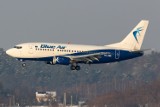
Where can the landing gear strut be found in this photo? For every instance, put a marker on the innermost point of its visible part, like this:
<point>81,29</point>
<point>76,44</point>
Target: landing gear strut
<point>75,67</point>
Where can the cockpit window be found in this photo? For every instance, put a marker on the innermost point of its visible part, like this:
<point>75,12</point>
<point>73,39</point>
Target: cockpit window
<point>18,47</point>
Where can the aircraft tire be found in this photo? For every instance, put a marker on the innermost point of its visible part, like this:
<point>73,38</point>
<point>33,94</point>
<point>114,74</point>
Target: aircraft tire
<point>23,64</point>
<point>73,67</point>
<point>77,68</point>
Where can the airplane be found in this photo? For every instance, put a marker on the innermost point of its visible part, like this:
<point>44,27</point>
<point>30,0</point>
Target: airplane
<point>74,54</point>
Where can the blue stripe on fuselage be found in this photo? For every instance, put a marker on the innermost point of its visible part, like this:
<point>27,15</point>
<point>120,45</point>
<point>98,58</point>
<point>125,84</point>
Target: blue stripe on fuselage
<point>110,56</point>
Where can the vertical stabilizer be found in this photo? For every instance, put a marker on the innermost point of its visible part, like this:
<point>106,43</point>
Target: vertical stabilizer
<point>134,39</point>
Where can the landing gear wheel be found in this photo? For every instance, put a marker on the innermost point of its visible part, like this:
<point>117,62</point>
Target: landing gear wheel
<point>23,64</point>
<point>73,67</point>
<point>77,68</point>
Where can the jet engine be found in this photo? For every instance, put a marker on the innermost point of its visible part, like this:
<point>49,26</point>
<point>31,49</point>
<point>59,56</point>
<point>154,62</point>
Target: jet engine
<point>59,60</point>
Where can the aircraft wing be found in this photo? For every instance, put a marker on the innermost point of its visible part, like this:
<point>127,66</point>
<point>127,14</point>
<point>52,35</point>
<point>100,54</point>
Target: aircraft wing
<point>87,58</point>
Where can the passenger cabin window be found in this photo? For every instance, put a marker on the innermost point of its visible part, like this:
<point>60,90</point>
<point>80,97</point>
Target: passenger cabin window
<point>18,47</point>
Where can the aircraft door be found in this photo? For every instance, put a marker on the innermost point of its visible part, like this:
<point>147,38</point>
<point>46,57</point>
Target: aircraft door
<point>30,49</point>
<point>117,54</point>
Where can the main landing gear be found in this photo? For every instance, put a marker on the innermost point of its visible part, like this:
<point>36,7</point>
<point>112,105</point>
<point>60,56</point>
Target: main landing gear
<point>75,67</point>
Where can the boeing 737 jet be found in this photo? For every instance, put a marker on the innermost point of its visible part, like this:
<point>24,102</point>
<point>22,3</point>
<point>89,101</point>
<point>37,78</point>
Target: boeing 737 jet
<point>73,55</point>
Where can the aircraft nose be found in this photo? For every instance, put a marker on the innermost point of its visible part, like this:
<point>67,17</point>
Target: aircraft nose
<point>9,52</point>
<point>13,52</point>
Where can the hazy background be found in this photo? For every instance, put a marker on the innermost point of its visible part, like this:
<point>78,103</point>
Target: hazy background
<point>96,22</point>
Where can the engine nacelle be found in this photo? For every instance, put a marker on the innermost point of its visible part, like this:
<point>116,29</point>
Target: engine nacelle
<point>60,60</point>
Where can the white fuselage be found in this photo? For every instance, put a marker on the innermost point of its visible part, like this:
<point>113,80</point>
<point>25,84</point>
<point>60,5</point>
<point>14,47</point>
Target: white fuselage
<point>38,50</point>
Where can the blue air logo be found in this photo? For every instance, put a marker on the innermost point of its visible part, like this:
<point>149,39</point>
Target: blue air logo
<point>52,47</point>
<point>60,47</point>
<point>137,33</point>
<point>57,59</point>
<point>47,46</point>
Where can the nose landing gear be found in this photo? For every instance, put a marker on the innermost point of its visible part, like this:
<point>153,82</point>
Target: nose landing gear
<point>23,64</point>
